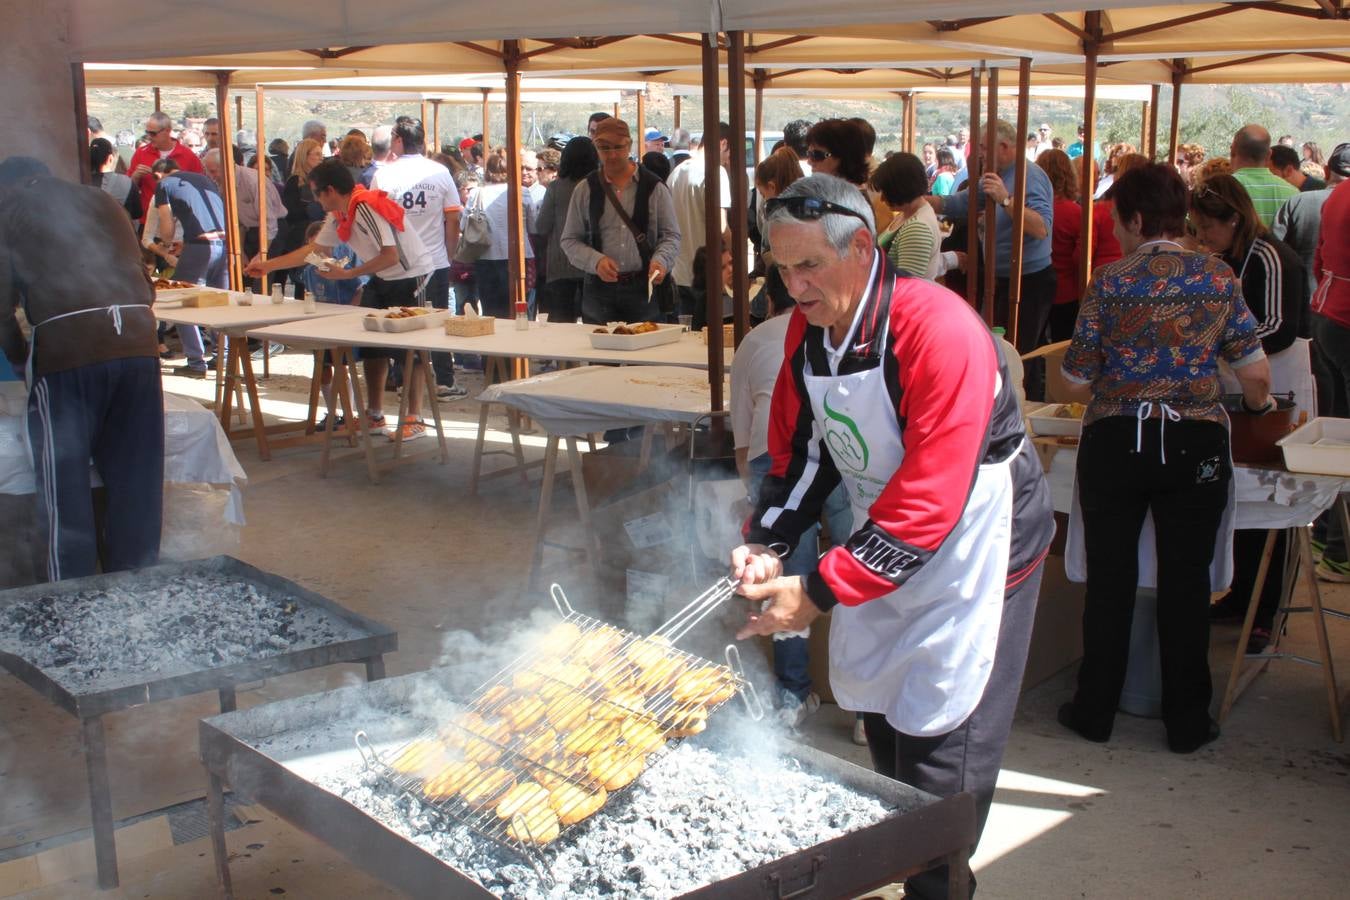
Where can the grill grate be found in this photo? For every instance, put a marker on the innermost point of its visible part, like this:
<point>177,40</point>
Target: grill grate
<point>545,742</point>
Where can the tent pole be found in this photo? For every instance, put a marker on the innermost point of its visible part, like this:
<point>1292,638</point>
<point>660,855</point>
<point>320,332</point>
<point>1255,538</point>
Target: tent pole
<point>678,98</point>
<point>972,181</point>
<point>712,215</point>
<point>1174,127</point>
<point>740,191</point>
<point>425,115</point>
<point>1153,124</point>
<point>435,126</point>
<point>1019,201</point>
<point>641,123</point>
<point>906,121</point>
<point>486,146</point>
<point>1143,128</point>
<point>239,110</point>
<point>616,109</point>
<point>1092,23</point>
<point>990,207</point>
<point>157,101</point>
<point>81,122</point>
<point>227,189</point>
<point>759,114</point>
<point>261,159</point>
<point>515,216</point>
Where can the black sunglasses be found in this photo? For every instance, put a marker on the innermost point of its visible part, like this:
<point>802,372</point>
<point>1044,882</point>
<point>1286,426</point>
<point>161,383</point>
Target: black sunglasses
<point>818,155</point>
<point>810,208</point>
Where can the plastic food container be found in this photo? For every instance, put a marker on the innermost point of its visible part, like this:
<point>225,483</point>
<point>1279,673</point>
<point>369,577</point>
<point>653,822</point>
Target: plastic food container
<point>407,323</point>
<point>1043,421</point>
<point>664,334</point>
<point>1320,447</point>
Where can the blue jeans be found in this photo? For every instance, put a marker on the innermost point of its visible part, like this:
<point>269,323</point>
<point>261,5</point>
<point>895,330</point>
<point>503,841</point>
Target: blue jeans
<point>790,660</point>
<point>201,262</point>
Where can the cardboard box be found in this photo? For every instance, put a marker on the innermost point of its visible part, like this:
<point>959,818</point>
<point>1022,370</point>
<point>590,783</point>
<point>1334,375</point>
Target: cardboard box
<point>1056,388</point>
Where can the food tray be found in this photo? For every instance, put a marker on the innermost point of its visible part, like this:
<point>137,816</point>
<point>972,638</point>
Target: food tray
<point>1321,447</point>
<point>664,334</point>
<point>470,326</point>
<point>398,326</point>
<point>1044,422</point>
<point>201,299</point>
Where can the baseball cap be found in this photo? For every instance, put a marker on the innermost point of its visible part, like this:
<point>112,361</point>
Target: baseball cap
<point>1339,160</point>
<point>466,144</point>
<point>654,134</point>
<point>612,128</point>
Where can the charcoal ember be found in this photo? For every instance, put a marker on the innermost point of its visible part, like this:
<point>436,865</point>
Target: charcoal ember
<point>695,817</point>
<point>163,626</point>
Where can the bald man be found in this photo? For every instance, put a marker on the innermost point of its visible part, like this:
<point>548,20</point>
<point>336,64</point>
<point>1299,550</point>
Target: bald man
<point>94,382</point>
<point>1250,158</point>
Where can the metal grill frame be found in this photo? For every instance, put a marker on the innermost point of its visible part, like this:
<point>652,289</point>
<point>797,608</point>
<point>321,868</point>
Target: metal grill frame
<point>483,819</point>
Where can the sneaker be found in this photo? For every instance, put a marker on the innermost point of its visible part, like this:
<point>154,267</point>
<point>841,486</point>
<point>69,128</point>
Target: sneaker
<point>1331,570</point>
<point>339,422</point>
<point>1259,640</point>
<point>190,371</point>
<point>375,424</point>
<point>411,428</point>
<point>451,392</point>
<point>859,733</point>
<point>794,712</point>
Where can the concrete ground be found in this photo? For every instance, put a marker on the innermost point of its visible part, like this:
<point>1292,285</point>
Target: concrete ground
<point>1261,812</point>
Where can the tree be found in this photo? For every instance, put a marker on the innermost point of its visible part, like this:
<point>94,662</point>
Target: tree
<point>198,109</point>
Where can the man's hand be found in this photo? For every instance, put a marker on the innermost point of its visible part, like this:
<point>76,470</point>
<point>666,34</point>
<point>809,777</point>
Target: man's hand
<point>139,172</point>
<point>935,202</point>
<point>755,564</point>
<point>960,260</point>
<point>726,267</point>
<point>789,608</point>
<point>607,269</point>
<point>337,273</point>
<point>257,267</point>
<point>656,273</point>
<point>992,186</point>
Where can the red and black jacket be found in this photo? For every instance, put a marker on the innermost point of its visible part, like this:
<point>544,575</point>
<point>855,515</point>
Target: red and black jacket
<point>950,392</point>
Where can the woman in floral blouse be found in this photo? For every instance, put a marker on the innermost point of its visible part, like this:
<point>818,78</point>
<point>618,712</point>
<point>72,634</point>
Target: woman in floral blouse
<point>1146,347</point>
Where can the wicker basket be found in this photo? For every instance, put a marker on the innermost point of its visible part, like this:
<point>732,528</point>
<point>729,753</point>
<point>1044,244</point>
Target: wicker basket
<point>470,326</point>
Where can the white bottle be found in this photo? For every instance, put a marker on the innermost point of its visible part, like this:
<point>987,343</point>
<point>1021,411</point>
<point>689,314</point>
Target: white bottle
<point>1013,360</point>
<point>278,296</point>
<point>247,298</point>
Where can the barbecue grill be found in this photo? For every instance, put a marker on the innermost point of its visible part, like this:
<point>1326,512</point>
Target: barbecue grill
<point>335,635</point>
<point>288,756</point>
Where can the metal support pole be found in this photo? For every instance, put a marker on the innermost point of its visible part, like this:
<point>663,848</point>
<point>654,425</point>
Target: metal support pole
<point>1092,23</point>
<point>740,190</point>
<point>972,182</point>
<point>990,207</point>
<point>712,213</point>
<point>1019,202</point>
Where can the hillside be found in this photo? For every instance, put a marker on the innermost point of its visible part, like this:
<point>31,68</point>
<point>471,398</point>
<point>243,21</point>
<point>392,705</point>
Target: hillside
<point>1210,114</point>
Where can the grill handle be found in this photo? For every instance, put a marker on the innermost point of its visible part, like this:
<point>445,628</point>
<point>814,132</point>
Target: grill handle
<point>560,600</point>
<point>775,881</point>
<point>367,750</point>
<point>749,696</point>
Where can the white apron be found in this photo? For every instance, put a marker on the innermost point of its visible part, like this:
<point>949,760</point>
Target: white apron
<point>922,653</point>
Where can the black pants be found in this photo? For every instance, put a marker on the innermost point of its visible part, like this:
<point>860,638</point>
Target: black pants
<point>561,299</point>
<point>1117,486</point>
<point>1033,314</point>
<point>438,292</point>
<point>1247,546</point>
<point>494,287</point>
<point>626,301</point>
<point>968,757</point>
<point>110,413</point>
<point>1062,319</point>
<point>1331,366</point>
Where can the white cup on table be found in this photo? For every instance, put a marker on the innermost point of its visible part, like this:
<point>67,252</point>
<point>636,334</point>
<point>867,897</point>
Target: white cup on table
<point>542,319</point>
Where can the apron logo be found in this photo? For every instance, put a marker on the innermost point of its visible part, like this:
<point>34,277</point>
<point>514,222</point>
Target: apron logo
<point>844,440</point>
<point>1207,471</point>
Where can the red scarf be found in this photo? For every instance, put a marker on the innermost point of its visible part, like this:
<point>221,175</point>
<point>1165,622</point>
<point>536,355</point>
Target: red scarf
<point>379,203</point>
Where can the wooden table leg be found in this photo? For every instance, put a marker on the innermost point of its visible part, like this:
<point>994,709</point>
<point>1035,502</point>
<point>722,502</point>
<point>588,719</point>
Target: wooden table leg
<point>220,385</point>
<point>1230,694</point>
<point>363,433</point>
<point>583,502</point>
<point>315,390</point>
<point>225,380</point>
<point>478,448</point>
<point>251,385</point>
<point>409,373</point>
<point>514,418</point>
<point>100,800</point>
<point>429,379</point>
<point>545,502</point>
<point>337,394</point>
<point>1320,629</point>
<point>215,811</point>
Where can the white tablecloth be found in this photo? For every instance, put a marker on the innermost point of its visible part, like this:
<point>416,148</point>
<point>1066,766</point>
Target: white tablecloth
<point>196,450</point>
<point>596,398</point>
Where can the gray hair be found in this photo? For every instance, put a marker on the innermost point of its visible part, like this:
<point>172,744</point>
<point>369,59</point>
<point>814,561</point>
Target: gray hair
<point>245,139</point>
<point>1007,134</point>
<point>161,120</point>
<point>212,155</point>
<point>380,139</point>
<point>839,229</point>
<point>313,127</point>
<point>679,139</point>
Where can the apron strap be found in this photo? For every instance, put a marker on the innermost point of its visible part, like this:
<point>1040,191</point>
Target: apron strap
<point>1165,414</point>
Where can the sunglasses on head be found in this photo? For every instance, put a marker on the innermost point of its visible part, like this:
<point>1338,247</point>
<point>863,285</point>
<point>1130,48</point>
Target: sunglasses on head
<point>818,155</point>
<point>810,208</point>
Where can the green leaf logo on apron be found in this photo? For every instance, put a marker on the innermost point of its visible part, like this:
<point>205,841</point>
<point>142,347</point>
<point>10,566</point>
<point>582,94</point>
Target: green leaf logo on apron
<point>844,439</point>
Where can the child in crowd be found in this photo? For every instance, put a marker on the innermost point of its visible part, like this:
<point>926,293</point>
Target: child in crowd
<point>346,291</point>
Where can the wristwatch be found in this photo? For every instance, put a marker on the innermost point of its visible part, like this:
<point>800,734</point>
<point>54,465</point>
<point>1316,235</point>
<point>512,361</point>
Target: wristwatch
<point>1005,202</point>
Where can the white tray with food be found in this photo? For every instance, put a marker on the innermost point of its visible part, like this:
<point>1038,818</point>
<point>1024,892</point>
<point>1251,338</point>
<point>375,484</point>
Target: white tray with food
<point>636,336</point>
<point>1319,447</point>
<point>404,318</point>
<point>1057,419</point>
